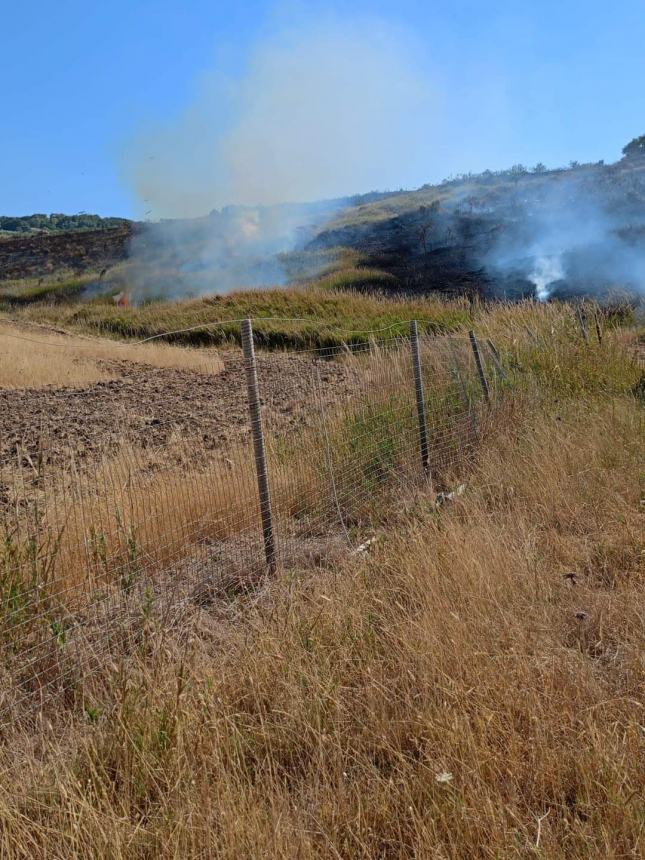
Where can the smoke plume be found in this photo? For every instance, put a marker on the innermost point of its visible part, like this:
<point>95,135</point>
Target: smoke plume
<point>580,231</point>
<point>321,111</point>
<point>326,108</point>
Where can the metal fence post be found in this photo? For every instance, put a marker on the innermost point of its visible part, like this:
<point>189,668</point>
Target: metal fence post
<point>480,365</point>
<point>581,322</point>
<point>496,358</point>
<point>459,377</point>
<point>253,391</point>
<point>421,402</point>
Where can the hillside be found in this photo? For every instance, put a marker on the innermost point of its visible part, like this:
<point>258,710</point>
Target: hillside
<point>515,233</point>
<point>56,254</point>
<point>484,233</point>
<point>57,223</point>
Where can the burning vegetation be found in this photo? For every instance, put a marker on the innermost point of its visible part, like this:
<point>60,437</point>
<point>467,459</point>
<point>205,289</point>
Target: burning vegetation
<point>561,233</point>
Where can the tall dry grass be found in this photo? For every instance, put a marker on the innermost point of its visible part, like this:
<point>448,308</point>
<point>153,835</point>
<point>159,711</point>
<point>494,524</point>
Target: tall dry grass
<point>470,689</point>
<point>471,686</point>
<point>70,528</point>
<point>33,356</point>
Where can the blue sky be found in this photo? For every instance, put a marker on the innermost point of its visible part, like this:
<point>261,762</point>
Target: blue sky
<point>519,82</point>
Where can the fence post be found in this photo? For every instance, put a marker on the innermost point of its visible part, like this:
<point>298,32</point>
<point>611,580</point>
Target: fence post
<point>531,333</point>
<point>421,402</point>
<point>598,329</point>
<point>253,392</point>
<point>496,359</point>
<point>480,365</point>
<point>458,374</point>
<point>581,322</point>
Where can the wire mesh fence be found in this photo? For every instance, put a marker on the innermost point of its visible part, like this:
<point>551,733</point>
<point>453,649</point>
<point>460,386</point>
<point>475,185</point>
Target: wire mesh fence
<point>291,466</point>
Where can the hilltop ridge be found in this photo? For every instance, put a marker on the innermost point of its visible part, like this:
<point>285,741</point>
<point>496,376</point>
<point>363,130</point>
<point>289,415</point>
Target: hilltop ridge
<point>512,233</point>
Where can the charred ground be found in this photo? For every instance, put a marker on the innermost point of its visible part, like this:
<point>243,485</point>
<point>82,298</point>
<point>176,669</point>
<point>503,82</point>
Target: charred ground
<point>474,235</point>
<point>481,234</point>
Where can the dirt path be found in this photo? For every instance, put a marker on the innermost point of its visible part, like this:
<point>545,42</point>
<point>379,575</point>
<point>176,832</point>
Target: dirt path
<point>147,405</point>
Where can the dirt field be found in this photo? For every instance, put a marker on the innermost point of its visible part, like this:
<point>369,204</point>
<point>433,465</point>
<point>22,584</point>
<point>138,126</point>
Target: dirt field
<point>147,405</point>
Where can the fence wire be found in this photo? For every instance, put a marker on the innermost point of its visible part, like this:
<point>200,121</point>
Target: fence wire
<point>100,535</point>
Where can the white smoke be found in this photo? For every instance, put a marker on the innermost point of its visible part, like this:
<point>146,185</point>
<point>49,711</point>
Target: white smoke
<point>327,108</point>
<point>323,110</point>
<point>546,272</point>
<point>579,231</point>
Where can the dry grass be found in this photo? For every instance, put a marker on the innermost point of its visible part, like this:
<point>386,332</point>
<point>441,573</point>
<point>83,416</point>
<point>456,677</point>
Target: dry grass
<point>34,356</point>
<point>456,695</point>
<point>79,525</point>
<point>471,687</point>
<point>140,512</point>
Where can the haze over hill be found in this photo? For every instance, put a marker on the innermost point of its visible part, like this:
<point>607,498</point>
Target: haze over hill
<point>320,106</point>
<point>521,232</point>
<point>579,230</point>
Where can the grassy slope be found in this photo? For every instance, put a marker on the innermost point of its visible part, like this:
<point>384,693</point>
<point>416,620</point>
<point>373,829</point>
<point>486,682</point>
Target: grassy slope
<point>328,312</point>
<point>493,186</point>
<point>328,269</point>
<point>325,314</point>
<point>454,694</point>
<point>16,293</point>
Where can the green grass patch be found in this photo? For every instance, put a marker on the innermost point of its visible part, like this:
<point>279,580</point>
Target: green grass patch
<point>301,266</point>
<point>295,318</point>
<point>360,279</point>
<point>32,291</point>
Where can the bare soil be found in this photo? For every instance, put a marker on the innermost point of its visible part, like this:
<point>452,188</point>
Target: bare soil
<point>148,405</point>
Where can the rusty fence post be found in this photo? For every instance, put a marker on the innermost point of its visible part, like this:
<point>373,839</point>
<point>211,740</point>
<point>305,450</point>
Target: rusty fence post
<point>480,366</point>
<point>421,401</point>
<point>253,392</point>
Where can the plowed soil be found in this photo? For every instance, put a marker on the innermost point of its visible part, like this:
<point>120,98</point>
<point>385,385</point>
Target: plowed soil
<point>147,405</point>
